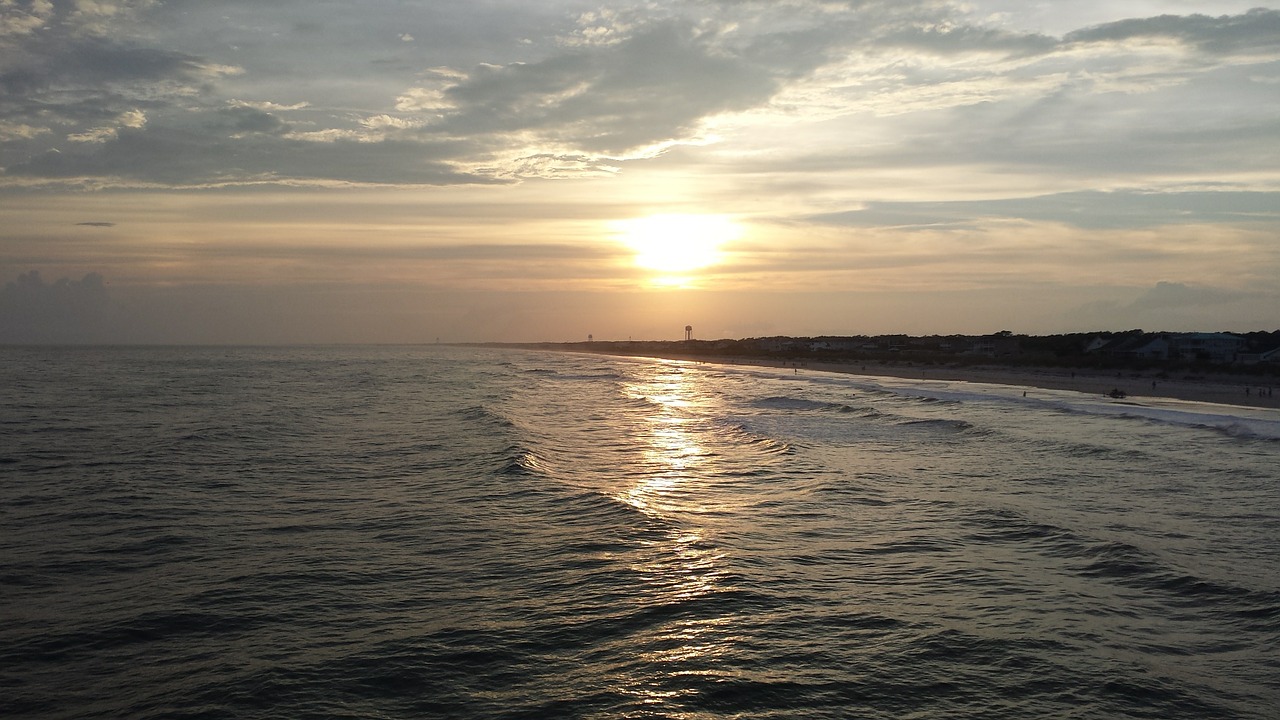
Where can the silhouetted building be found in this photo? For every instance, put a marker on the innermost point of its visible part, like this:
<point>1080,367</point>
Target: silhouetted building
<point>1260,358</point>
<point>1218,348</point>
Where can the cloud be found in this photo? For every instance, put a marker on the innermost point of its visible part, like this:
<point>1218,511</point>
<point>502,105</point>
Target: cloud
<point>651,88</point>
<point>554,165</point>
<point>129,119</point>
<point>387,122</point>
<point>68,85</point>
<point>628,82</point>
<point>243,149</point>
<point>20,131</point>
<point>1177,306</point>
<point>949,40</point>
<point>627,86</point>
<point>513,90</point>
<point>90,63</point>
<point>268,106</point>
<point>96,135</point>
<point>1092,210</point>
<point>1257,29</point>
<point>1170,295</point>
<point>240,120</point>
<point>66,311</point>
<point>97,224</point>
<point>17,20</point>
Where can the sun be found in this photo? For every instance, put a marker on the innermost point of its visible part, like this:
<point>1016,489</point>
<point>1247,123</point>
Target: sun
<point>675,244</point>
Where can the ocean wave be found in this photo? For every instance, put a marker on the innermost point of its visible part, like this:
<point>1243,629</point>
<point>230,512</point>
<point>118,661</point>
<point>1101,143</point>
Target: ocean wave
<point>1238,422</point>
<point>1234,421</point>
<point>521,462</point>
<point>739,434</point>
<point>792,403</point>
<point>459,538</point>
<point>935,423</point>
<point>1128,565</point>
<point>485,415</point>
<point>589,376</point>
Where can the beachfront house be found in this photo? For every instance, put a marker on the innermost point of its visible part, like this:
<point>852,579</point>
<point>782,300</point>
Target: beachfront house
<point>834,344</point>
<point>1137,347</point>
<point>777,344</point>
<point>1002,344</point>
<point>1097,343</point>
<point>1270,357</point>
<point>1217,348</point>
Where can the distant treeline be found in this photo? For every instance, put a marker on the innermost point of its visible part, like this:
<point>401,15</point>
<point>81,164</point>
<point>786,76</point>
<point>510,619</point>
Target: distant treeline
<point>1251,352</point>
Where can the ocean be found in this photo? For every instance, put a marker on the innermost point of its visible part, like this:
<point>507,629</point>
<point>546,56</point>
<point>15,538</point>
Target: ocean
<point>440,532</point>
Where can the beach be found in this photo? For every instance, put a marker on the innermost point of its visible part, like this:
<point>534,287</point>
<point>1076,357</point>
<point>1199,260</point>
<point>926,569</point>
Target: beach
<point>1243,390</point>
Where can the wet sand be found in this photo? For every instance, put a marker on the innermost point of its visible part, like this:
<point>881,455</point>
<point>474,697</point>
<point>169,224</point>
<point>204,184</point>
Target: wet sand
<point>1227,390</point>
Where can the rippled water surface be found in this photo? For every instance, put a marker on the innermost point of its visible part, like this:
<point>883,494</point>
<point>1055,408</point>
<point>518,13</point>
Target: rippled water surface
<point>441,532</point>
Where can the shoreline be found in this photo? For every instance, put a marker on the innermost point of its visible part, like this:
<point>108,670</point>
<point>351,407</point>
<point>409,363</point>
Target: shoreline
<point>1241,391</point>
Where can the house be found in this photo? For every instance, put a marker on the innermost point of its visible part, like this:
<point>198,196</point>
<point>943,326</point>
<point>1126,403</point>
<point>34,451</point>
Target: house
<point>838,344</point>
<point>1259,358</point>
<point>1096,344</point>
<point>998,345</point>
<point>778,344</point>
<point>1137,347</point>
<point>1218,348</point>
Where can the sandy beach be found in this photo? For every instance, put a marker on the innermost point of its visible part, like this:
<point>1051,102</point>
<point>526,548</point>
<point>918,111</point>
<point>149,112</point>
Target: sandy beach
<point>1227,390</point>
<point>1242,390</point>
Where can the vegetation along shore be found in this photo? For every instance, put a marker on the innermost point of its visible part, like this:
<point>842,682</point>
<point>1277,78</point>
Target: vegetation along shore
<point>1229,368</point>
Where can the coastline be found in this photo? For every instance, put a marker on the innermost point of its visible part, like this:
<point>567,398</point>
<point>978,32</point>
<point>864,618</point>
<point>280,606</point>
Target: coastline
<point>1243,391</point>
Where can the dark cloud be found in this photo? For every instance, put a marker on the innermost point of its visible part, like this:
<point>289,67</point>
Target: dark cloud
<point>239,120</point>
<point>157,154</point>
<point>97,224</point>
<point>67,87</point>
<point>1170,295</point>
<point>78,86</point>
<point>653,87</point>
<point>657,83</point>
<point>91,63</point>
<point>1089,210</point>
<point>1257,29</point>
<point>66,311</point>
<point>515,253</point>
<point>146,92</point>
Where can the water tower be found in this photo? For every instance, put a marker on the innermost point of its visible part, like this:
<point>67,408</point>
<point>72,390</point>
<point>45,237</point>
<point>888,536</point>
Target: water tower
<point>688,332</point>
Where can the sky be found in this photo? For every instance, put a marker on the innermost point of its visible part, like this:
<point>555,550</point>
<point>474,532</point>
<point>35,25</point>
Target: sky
<point>236,171</point>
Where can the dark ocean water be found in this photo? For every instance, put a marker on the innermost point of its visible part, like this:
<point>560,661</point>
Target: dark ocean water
<point>396,532</point>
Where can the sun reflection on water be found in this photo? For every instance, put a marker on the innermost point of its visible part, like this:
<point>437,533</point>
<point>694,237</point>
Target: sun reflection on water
<point>673,458</point>
<point>685,572</point>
